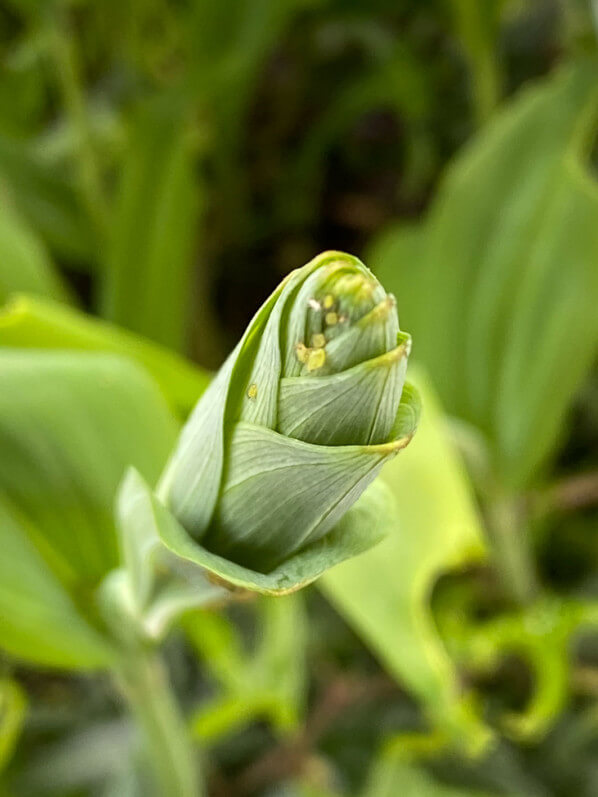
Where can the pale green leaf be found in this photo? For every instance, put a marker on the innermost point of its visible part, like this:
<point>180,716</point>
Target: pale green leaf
<point>280,493</point>
<point>32,322</point>
<point>360,528</point>
<point>358,404</point>
<point>385,593</point>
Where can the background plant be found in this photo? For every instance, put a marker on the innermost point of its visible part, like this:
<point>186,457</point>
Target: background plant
<point>161,167</point>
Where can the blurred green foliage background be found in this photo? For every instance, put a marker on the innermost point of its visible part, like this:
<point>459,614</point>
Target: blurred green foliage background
<point>162,166</point>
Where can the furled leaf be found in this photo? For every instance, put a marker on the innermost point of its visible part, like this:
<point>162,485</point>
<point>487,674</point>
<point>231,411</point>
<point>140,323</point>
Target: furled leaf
<point>542,634</point>
<point>385,593</point>
<point>503,296</point>
<point>149,261</point>
<point>31,322</point>
<point>358,530</point>
<point>24,263</point>
<point>325,481</point>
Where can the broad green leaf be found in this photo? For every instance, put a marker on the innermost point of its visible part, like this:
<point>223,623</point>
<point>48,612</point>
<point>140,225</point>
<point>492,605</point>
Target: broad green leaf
<point>385,592</point>
<point>503,300</point>
<point>70,424</point>
<point>31,322</point>
<point>24,263</point>
<point>38,619</point>
<point>149,260</point>
<point>12,713</point>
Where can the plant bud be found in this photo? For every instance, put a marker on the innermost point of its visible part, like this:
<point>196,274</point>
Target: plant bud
<point>298,421</point>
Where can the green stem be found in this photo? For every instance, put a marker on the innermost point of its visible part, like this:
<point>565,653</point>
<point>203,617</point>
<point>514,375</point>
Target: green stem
<point>511,549</point>
<point>144,682</point>
<point>478,26</point>
<point>486,85</point>
<point>71,87</point>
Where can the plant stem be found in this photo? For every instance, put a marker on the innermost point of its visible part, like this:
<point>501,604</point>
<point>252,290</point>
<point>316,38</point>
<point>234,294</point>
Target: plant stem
<point>478,28</point>
<point>144,682</point>
<point>569,494</point>
<point>511,549</point>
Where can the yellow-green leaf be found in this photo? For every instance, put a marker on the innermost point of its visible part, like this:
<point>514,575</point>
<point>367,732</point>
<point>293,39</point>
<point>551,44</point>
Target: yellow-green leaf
<point>385,592</point>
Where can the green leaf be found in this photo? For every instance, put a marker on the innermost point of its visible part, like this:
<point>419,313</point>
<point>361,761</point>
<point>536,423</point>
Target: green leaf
<point>256,521</point>
<point>48,202</point>
<point>38,619</point>
<point>360,528</point>
<point>503,299</point>
<point>364,396</point>
<point>24,262</point>
<point>385,593</point>
<point>30,322</point>
<point>13,705</point>
<point>70,423</point>
<point>149,261</point>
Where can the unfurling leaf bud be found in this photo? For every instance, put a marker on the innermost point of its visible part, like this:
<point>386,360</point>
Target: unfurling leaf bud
<point>297,423</point>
